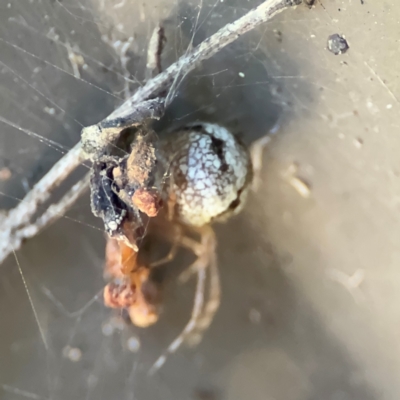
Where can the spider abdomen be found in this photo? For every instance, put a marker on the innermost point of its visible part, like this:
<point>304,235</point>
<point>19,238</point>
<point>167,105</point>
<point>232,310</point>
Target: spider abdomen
<point>209,173</point>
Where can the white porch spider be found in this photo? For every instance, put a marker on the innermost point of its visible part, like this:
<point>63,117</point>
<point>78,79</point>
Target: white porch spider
<point>198,175</point>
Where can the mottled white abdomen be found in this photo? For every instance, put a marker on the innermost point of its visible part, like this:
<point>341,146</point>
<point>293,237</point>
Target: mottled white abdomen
<point>209,172</point>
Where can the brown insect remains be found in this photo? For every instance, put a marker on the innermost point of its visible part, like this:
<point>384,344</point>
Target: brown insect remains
<point>130,287</point>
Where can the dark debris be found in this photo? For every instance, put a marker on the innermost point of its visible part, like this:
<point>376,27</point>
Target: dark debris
<point>337,44</point>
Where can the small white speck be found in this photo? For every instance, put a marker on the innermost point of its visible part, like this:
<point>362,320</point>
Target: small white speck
<point>50,110</point>
<point>112,225</point>
<point>133,344</point>
<point>301,187</point>
<point>358,143</point>
<point>72,353</point>
<point>312,36</point>
<point>372,107</point>
<point>389,106</point>
<point>241,74</point>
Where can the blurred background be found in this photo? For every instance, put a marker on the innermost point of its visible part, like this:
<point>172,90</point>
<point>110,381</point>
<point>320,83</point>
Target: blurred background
<point>310,269</point>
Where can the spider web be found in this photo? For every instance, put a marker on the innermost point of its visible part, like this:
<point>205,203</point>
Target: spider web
<point>65,64</point>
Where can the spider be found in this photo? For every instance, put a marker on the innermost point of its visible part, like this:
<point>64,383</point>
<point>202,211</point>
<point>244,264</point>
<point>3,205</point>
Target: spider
<point>198,175</point>
<point>179,186</point>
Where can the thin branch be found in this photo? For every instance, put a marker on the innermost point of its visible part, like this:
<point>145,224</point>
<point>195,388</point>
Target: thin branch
<point>52,214</point>
<point>18,217</point>
<point>16,225</point>
<point>57,210</point>
<point>21,214</point>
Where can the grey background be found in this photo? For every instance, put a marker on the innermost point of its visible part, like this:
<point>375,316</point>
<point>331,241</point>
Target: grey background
<point>292,324</point>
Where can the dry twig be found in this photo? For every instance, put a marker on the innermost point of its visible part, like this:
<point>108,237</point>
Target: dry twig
<point>17,225</point>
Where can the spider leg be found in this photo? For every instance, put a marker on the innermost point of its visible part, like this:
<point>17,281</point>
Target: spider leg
<point>190,326</point>
<point>169,257</point>
<point>204,249</point>
<point>202,314</point>
<point>175,237</point>
<point>211,306</point>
